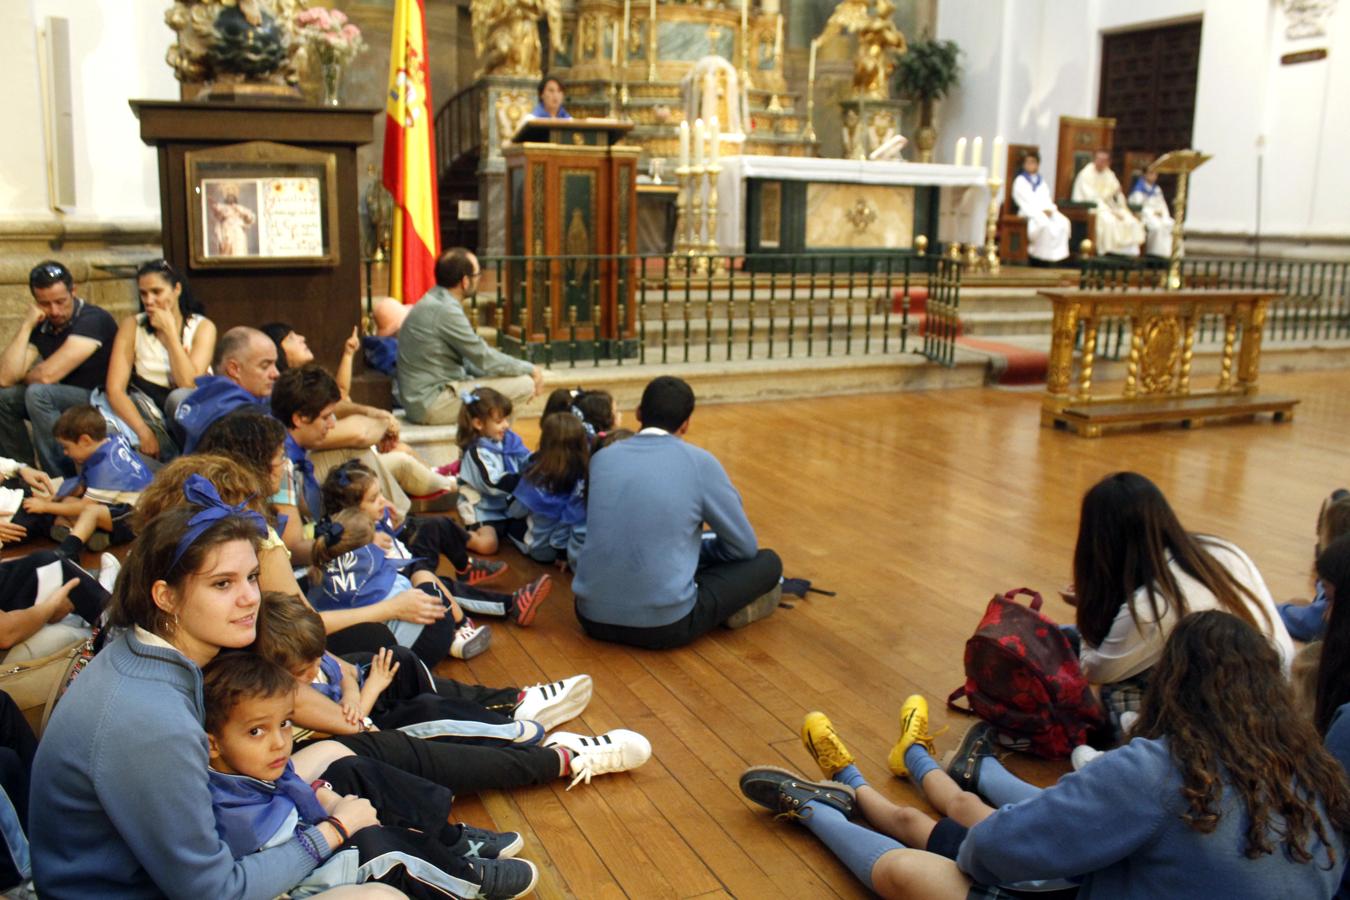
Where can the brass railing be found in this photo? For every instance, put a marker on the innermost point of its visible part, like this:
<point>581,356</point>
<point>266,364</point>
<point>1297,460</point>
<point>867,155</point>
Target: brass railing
<point>569,311</point>
<point>1312,296</point>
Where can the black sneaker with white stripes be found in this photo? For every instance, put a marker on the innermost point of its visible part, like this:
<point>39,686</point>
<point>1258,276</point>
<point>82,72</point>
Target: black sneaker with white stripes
<point>556,702</point>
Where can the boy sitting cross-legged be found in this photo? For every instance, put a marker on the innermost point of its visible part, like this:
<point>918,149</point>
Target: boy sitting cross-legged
<point>95,508</point>
<point>259,800</point>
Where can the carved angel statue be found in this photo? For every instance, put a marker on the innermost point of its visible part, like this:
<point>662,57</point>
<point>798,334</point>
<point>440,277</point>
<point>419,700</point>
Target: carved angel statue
<point>235,41</point>
<point>879,41</point>
<point>506,34</point>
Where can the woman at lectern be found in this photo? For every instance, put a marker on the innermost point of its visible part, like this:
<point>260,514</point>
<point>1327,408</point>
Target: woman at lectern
<point>550,105</point>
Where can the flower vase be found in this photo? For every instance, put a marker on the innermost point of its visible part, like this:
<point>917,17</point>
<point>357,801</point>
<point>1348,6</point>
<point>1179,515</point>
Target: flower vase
<point>332,84</point>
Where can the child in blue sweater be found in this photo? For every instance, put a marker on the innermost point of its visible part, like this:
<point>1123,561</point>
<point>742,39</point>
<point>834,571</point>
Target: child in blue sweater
<point>491,459</point>
<point>551,493</point>
<point>259,802</point>
<point>1196,804</point>
<point>1307,622</point>
<point>96,507</point>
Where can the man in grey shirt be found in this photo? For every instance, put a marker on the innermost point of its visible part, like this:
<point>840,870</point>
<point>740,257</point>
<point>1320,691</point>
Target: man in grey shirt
<point>440,353</point>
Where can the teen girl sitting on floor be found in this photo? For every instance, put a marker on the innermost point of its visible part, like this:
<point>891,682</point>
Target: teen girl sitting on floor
<point>551,494</point>
<point>1137,572</point>
<point>1220,792</point>
<point>420,542</point>
<point>491,459</point>
<point>596,409</point>
<point>122,768</point>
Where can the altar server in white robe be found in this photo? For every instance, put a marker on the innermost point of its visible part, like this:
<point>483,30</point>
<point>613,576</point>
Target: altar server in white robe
<point>1047,228</point>
<point>1158,221</point>
<point>1118,231</point>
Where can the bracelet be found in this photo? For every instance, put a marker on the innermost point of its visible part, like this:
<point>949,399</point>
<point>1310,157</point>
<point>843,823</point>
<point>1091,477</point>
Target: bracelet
<point>319,785</point>
<point>367,724</point>
<point>310,847</point>
<point>342,832</point>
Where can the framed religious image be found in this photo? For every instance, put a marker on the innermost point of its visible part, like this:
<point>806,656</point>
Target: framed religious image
<point>261,204</point>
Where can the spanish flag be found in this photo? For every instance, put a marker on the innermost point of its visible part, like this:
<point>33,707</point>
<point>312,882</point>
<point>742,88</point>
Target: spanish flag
<point>410,157</point>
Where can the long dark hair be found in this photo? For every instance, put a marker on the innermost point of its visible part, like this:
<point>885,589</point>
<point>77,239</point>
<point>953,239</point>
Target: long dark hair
<point>278,332</point>
<point>1127,536</point>
<point>564,453</point>
<point>1219,696</point>
<point>188,304</point>
<point>250,436</point>
<point>488,402</point>
<point>1333,672</point>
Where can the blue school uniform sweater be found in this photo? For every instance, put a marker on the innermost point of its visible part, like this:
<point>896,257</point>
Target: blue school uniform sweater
<point>493,469</point>
<point>1116,825</point>
<point>121,800</point>
<point>555,523</point>
<point>251,813</point>
<point>215,397</point>
<point>113,470</point>
<point>649,499</point>
<point>362,577</point>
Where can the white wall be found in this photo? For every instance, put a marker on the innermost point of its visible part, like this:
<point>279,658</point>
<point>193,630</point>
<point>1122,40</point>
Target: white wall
<point>117,54</point>
<point>1027,62</point>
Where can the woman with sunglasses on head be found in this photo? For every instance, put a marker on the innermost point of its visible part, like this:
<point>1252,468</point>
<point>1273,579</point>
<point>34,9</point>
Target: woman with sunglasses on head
<point>157,357</point>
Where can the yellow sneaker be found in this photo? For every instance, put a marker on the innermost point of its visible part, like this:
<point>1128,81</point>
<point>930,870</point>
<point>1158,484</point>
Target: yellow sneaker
<point>913,730</point>
<point>824,745</point>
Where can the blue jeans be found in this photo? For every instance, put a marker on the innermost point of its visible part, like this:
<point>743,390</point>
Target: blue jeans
<point>41,404</point>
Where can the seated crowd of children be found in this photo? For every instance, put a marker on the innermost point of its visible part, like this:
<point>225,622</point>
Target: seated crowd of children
<point>259,715</point>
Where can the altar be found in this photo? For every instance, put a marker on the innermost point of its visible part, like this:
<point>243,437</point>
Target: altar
<point>808,205</point>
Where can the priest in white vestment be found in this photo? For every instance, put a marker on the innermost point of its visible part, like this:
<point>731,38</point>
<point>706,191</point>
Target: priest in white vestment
<point>1158,222</point>
<point>1047,228</point>
<point>1118,231</point>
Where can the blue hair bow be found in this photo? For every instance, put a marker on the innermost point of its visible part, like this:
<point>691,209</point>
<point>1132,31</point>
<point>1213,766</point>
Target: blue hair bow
<point>200,492</point>
<point>330,531</point>
<point>343,477</point>
<point>467,397</point>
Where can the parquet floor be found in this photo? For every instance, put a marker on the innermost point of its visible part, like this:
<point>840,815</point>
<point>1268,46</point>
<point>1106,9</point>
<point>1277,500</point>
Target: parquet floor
<point>915,508</point>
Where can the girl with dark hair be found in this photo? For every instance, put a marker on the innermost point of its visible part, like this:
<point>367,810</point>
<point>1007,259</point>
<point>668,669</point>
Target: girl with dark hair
<point>157,357</point>
<point>596,409</point>
<point>1331,715</point>
<point>1137,572</point>
<point>126,806</point>
<point>551,493</point>
<point>1220,792</point>
<point>293,352</point>
<point>491,459</point>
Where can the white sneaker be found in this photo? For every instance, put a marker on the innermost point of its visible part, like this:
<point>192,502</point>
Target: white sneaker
<point>470,640</point>
<point>109,566</point>
<point>556,702</point>
<point>1127,720</point>
<point>619,750</point>
<point>1082,755</point>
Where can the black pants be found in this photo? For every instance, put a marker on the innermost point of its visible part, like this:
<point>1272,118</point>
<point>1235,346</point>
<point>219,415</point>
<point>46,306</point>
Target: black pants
<point>367,637</point>
<point>432,538</point>
<point>401,799</point>
<point>463,768</point>
<point>17,746</point>
<point>724,589</point>
<point>415,862</point>
<point>19,585</point>
<point>415,696</point>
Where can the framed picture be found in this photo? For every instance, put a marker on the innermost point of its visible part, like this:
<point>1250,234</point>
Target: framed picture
<point>261,204</point>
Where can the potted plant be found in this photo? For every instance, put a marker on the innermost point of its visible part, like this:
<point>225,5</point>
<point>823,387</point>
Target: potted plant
<point>927,73</point>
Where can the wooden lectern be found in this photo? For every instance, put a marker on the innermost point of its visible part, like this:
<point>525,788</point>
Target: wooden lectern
<point>571,209</point>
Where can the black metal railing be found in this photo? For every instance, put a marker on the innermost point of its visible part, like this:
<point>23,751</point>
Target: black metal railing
<point>1313,301</point>
<point>457,127</point>
<point>564,311</point>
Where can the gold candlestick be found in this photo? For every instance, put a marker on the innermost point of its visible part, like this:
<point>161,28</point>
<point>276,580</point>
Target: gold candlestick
<point>810,133</point>
<point>681,215</point>
<point>695,244</point>
<point>991,263</point>
<point>711,245</point>
<point>1180,163</point>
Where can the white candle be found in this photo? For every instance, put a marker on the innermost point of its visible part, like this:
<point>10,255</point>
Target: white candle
<point>997,158</point>
<point>700,136</point>
<point>714,138</point>
<point>614,50</point>
<point>684,145</point>
<point>627,13</point>
<point>960,158</point>
<point>811,69</point>
<point>976,152</point>
<point>778,43</point>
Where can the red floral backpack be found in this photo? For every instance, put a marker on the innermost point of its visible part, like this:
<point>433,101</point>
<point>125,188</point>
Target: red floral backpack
<point>1023,678</point>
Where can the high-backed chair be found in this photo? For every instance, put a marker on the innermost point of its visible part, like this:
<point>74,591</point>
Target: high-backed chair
<point>1012,228</point>
<point>1079,139</point>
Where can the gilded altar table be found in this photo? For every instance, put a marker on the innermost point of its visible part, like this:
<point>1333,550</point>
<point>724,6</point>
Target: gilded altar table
<point>1163,327</point>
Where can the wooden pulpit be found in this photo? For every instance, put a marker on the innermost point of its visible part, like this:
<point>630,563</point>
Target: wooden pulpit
<point>571,216</point>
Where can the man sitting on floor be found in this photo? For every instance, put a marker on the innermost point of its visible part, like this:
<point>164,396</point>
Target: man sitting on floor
<point>648,574</point>
<point>59,354</point>
<point>440,354</point>
<point>246,368</point>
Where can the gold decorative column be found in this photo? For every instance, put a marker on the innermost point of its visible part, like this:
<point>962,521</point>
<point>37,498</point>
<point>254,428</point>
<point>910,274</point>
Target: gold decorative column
<point>1180,163</point>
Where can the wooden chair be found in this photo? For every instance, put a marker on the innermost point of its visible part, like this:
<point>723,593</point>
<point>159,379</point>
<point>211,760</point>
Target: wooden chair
<point>1079,139</point>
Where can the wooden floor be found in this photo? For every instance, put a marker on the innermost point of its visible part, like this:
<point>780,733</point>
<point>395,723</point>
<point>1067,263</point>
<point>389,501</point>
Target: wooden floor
<point>916,508</point>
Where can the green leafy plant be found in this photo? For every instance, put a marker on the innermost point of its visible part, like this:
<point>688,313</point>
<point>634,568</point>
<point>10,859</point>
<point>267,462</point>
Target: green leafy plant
<point>929,70</point>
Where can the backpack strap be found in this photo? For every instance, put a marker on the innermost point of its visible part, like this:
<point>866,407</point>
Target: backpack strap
<point>957,695</point>
<point>1035,604</point>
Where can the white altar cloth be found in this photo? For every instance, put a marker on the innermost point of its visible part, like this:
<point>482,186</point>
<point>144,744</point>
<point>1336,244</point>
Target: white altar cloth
<point>963,202</point>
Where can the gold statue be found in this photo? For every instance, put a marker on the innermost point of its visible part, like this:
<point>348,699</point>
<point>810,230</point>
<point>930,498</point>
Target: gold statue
<point>506,34</point>
<point>879,41</point>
